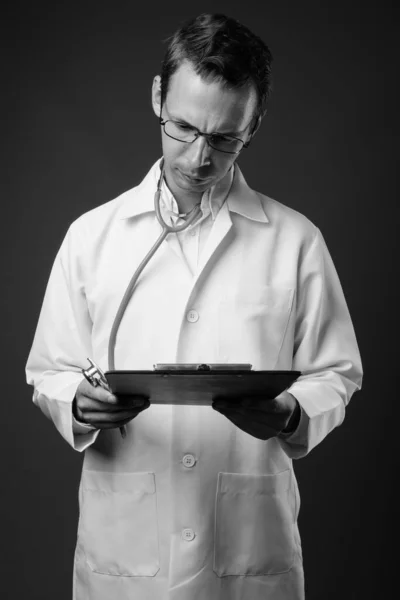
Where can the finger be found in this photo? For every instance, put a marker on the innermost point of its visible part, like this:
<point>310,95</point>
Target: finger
<point>258,428</point>
<point>238,409</point>
<point>95,393</point>
<point>265,404</point>
<point>262,404</point>
<point>255,410</point>
<point>78,414</point>
<point>116,425</point>
<point>125,401</point>
<point>86,404</point>
<point>122,404</point>
<point>98,419</point>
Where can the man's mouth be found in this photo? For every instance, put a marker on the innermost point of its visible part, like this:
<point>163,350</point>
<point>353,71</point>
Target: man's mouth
<point>194,178</point>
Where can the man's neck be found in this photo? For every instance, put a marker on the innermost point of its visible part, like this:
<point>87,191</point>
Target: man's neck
<point>186,201</point>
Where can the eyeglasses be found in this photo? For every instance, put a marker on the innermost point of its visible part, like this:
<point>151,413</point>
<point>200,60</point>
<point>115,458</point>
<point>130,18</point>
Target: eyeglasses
<point>188,134</point>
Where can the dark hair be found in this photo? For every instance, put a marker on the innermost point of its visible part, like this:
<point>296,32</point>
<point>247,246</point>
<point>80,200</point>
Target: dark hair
<point>223,49</point>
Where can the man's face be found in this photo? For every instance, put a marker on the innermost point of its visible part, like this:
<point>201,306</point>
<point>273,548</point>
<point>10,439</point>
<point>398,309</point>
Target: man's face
<point>211,108</point>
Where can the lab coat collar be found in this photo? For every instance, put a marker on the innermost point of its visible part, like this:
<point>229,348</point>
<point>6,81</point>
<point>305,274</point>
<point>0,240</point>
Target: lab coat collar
<point>245,201</point>
<point>241,200</point>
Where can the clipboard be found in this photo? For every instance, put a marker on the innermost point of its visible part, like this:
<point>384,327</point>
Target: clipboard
<point>200,384</point>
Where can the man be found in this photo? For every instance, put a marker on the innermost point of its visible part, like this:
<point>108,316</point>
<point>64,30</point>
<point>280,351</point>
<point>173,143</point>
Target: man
<point>195,503</point>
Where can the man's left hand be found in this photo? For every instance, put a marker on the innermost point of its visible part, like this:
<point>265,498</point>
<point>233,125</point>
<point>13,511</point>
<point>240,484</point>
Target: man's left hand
<point>259,417</point>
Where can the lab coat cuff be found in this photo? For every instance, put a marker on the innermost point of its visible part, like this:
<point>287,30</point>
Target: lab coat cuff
<point>81,428</point>
<point>55,395</point>
<point>295,444</point>
<point>79,435</point>
<point>83,435</point>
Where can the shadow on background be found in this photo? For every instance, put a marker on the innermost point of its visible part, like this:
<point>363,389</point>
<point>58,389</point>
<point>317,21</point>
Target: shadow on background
<point>80,130</point>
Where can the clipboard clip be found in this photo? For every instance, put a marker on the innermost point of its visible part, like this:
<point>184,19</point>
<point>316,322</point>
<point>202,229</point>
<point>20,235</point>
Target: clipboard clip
<point>202,367</point>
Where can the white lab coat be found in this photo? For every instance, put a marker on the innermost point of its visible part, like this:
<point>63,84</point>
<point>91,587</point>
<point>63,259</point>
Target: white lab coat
<point>189,507</point>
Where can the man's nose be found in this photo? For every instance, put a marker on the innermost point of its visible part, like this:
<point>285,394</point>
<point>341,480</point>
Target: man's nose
<point>199,153</point>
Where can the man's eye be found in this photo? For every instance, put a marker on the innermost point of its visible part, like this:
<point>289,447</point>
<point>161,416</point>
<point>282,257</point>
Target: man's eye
<point>183,127</point>
<point>222,139</point>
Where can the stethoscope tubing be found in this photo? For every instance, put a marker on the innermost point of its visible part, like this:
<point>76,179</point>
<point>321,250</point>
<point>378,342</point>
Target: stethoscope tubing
<point>166,230</point>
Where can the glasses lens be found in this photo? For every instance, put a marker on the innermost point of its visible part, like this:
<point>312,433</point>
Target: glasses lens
<point>224,143</point>
<point>180,131</point>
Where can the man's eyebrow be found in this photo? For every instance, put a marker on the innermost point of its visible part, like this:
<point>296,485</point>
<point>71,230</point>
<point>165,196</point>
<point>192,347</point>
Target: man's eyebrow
<point>230,133</point>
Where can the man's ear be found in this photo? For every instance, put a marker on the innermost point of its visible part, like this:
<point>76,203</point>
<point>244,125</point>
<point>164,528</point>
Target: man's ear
<point>253,130</point>
<point>256,126</point>
<point>156,95</point>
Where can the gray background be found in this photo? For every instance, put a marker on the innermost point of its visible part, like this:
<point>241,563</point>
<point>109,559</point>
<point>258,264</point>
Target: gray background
<point>78,129</point>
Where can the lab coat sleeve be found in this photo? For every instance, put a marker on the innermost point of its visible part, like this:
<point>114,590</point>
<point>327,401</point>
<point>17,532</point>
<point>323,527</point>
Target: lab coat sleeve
<point>325,351</point>
<point>62,344</point>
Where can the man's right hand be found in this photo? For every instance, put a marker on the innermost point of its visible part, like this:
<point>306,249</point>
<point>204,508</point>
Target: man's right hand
<point>101,409</point>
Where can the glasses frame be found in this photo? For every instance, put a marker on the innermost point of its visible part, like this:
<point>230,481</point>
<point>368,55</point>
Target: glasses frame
<point>199,133</point>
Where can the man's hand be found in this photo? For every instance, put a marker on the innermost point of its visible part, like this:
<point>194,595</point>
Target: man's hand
<point>103,410</point>
<point>262,418</point>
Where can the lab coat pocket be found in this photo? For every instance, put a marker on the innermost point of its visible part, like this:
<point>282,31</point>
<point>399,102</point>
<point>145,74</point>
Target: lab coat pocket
<point>118,530</point>
<point>252,325</point>
<point>254,524</point>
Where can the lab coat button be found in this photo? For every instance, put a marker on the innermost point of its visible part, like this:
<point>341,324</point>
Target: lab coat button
<point>192,316</point>
<point>188,535</point>
<point>193,232</point>
<point>189,460</point>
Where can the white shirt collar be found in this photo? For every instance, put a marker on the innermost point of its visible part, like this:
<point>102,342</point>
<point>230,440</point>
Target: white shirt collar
<point>211,201</point>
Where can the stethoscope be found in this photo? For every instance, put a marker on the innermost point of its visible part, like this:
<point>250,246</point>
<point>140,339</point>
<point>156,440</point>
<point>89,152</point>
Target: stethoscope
<point>94,374</point>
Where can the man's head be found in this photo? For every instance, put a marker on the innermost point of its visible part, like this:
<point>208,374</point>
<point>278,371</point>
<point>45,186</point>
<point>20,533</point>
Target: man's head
<point>216,78</point>
<point>220,49</point>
